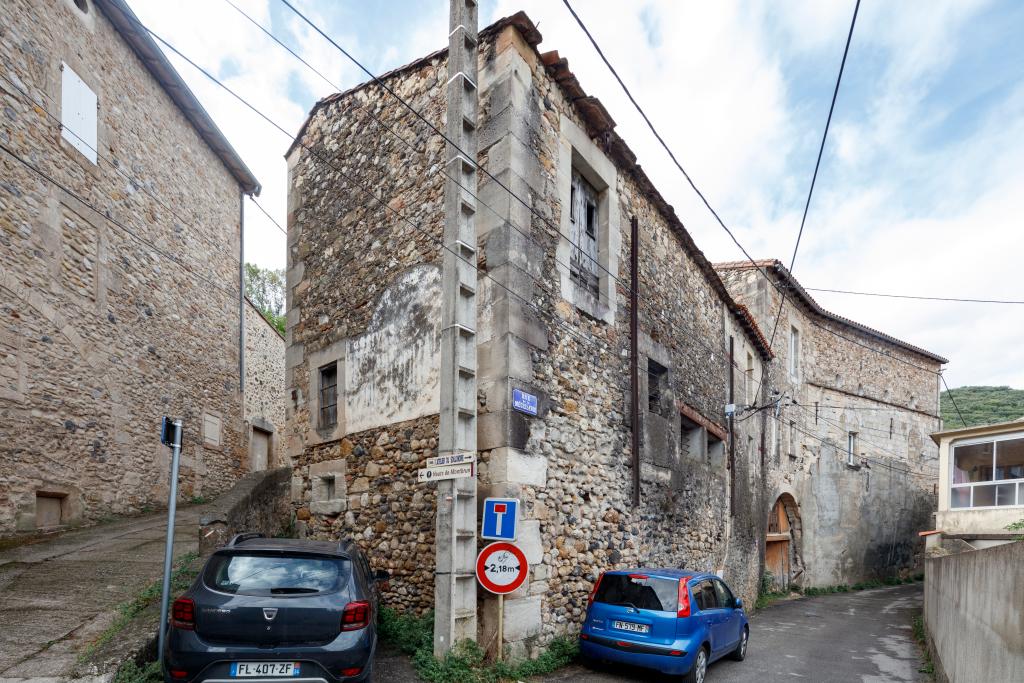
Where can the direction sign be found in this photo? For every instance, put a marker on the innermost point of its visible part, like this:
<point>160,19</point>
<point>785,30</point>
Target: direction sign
<point>451,459</point>
<point>446,472</point>
<point>501,568</point>
<point>500,519</point>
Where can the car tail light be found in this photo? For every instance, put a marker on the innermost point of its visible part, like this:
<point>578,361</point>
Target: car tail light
<point>355,616</point>
<point>684,599</point>
<point>593,592</point>
<point>183,614</point>
<point>178,673</point>
<point>352,671</point>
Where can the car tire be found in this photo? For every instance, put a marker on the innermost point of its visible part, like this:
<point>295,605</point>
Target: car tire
<point>740,653</point>
<point>700,668</point>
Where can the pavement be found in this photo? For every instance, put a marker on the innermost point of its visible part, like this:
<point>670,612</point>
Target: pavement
<point>58,595</point>
<point>864,636</point>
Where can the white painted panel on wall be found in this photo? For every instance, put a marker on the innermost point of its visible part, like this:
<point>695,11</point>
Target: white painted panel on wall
<point>78,113</point>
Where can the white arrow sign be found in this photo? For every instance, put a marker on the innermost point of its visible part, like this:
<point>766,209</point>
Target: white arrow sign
<point>447,472</point>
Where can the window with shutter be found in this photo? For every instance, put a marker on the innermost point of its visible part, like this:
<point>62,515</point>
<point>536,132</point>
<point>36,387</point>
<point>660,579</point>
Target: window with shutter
<point>583,220</point>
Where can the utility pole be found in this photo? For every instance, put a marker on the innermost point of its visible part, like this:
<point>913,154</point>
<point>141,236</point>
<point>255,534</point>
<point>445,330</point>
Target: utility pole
<point>170,435</point>
<point>455,535</point>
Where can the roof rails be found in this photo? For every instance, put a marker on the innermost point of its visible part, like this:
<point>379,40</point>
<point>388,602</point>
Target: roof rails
<point>242,538</point>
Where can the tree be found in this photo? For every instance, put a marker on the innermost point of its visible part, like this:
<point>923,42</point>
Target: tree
<point>265,289</point>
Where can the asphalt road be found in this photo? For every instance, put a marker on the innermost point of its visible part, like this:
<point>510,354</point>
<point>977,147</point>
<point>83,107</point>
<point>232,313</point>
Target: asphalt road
<point>866,636</point>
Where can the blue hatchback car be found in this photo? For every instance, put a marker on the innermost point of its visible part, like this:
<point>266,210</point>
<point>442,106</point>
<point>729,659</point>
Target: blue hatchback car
<point>671,620</point>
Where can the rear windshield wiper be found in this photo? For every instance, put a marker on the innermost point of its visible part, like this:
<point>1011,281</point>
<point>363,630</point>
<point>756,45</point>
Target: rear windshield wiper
<point>293,589</point>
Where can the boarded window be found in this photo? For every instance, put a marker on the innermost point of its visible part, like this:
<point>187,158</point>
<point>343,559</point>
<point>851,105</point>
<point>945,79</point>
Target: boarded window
<point>78,113</point>
<point>584,225</point>
<point>329,396</point>
<point>211,430</point>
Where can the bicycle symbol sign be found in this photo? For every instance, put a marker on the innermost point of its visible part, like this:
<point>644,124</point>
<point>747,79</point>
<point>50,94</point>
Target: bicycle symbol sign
<point>501,567</point>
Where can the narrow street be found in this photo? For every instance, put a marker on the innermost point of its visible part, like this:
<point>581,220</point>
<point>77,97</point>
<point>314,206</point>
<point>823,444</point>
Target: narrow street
<point>57,595</point>
<point>865,636</point>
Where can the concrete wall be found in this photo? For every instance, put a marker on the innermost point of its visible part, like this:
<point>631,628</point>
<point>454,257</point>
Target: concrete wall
<point>974,614</point>
<point>100,333</point>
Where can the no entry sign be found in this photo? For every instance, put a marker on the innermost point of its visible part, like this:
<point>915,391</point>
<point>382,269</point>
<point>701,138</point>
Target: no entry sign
<point>501,568</point>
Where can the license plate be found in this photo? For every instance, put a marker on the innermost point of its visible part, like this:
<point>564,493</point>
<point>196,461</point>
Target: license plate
<point>257,669</point>
<point>630,626</point>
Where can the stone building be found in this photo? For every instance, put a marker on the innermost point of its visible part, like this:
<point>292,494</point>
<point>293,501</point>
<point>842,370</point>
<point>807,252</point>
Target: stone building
<point>264,390</point>
<point>851,467</point>
<point>120,238</point>
<point>364,279</point>
<point>558,198</point>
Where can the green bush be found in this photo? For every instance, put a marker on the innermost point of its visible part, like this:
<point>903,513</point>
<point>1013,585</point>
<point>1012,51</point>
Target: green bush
<point>129,672</point>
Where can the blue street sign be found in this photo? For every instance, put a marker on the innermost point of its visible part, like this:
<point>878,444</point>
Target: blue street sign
<point>524,402</point>
<point>501,517</point>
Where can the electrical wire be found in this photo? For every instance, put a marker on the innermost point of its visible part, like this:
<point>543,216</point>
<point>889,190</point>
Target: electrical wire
<point>919,298</point>
<point>949,392</point>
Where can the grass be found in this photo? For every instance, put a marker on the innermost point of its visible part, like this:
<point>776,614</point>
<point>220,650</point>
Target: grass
<point>767,597</point>
<point>130,672</point>
<point>182,574</point>
<point>921,636</point>
<point>198,500</point>
<point>466,662</point>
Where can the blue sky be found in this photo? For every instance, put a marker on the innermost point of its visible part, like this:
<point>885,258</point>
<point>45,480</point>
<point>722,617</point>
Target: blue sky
<point>921,189</point>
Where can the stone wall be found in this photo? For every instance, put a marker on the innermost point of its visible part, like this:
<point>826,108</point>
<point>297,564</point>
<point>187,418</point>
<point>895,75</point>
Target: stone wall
<point>258,502</point>
<point>570,465</point>
<point>264,381</point>
<point>857,522</point>
<point>106,325</point>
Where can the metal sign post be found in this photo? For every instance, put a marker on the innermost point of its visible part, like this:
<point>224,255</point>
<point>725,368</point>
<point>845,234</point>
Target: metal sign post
<point>171,436</point>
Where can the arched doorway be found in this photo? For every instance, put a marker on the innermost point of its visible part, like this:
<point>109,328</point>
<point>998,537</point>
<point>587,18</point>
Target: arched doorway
<point>782,543</point>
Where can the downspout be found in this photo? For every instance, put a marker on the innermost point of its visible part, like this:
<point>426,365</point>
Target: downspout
<point>634,355</point>
<point>241,292</point>
<point>732,425</point>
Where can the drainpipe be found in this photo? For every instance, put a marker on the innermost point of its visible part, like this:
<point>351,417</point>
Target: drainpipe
<point>634,355</point>
<point>732,425</point>
<point>241,291</point>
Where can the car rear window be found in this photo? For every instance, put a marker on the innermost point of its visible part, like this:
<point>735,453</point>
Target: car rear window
<point>276,574</point>
<point>640,591</point>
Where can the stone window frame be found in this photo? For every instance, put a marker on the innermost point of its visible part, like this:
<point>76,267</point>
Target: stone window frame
<point>577,151</point>
<point>328,487</point>
<point>794,368</point>
<point>333,353</point>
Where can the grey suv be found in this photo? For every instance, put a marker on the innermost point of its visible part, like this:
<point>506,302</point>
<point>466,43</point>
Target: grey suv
<point>276,610</point>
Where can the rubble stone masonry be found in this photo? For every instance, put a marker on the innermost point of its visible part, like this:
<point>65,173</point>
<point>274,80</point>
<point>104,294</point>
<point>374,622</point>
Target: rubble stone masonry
<point>104,329</point>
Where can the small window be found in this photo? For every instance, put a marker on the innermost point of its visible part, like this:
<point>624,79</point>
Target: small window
<point>78,113</point>
<point>851,448</point>
<point>690,437</point>
<point>792,439</point>
<point>211,430</point>
<point>657,381</point>
<point>329,396</point>
<point>794,353</point>
<point>715,448</point>
<point>725,597</point>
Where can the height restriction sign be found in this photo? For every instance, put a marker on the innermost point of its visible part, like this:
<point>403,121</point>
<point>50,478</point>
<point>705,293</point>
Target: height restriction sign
<point>501,568</point>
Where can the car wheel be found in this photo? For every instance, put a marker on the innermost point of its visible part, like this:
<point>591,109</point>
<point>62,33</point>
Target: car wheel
<point>700,667</point>
<point>740,653</point>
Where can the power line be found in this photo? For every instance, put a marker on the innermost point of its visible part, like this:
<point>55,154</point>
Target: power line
<point>949,392</point>
<point>718,218</point>
<point>921,298</point>
<point>650,309</point>
<point>267,214</point>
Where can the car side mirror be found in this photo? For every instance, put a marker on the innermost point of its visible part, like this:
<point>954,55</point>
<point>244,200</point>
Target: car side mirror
<point>737,603</point>
<point>381,575</point>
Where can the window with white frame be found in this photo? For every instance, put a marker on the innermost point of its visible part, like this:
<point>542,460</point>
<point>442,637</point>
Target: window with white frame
<point>851,448</point>
<point>988,473</point>
<point>794,353</point>
<point>583,221</point>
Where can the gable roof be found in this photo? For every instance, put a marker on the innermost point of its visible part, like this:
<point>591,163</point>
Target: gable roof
<point>130,28</point>
<point>599,125</point>
<point>791,283</point>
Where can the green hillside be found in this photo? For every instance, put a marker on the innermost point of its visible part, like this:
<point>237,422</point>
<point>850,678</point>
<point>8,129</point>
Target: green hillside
<point>982,405</point>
